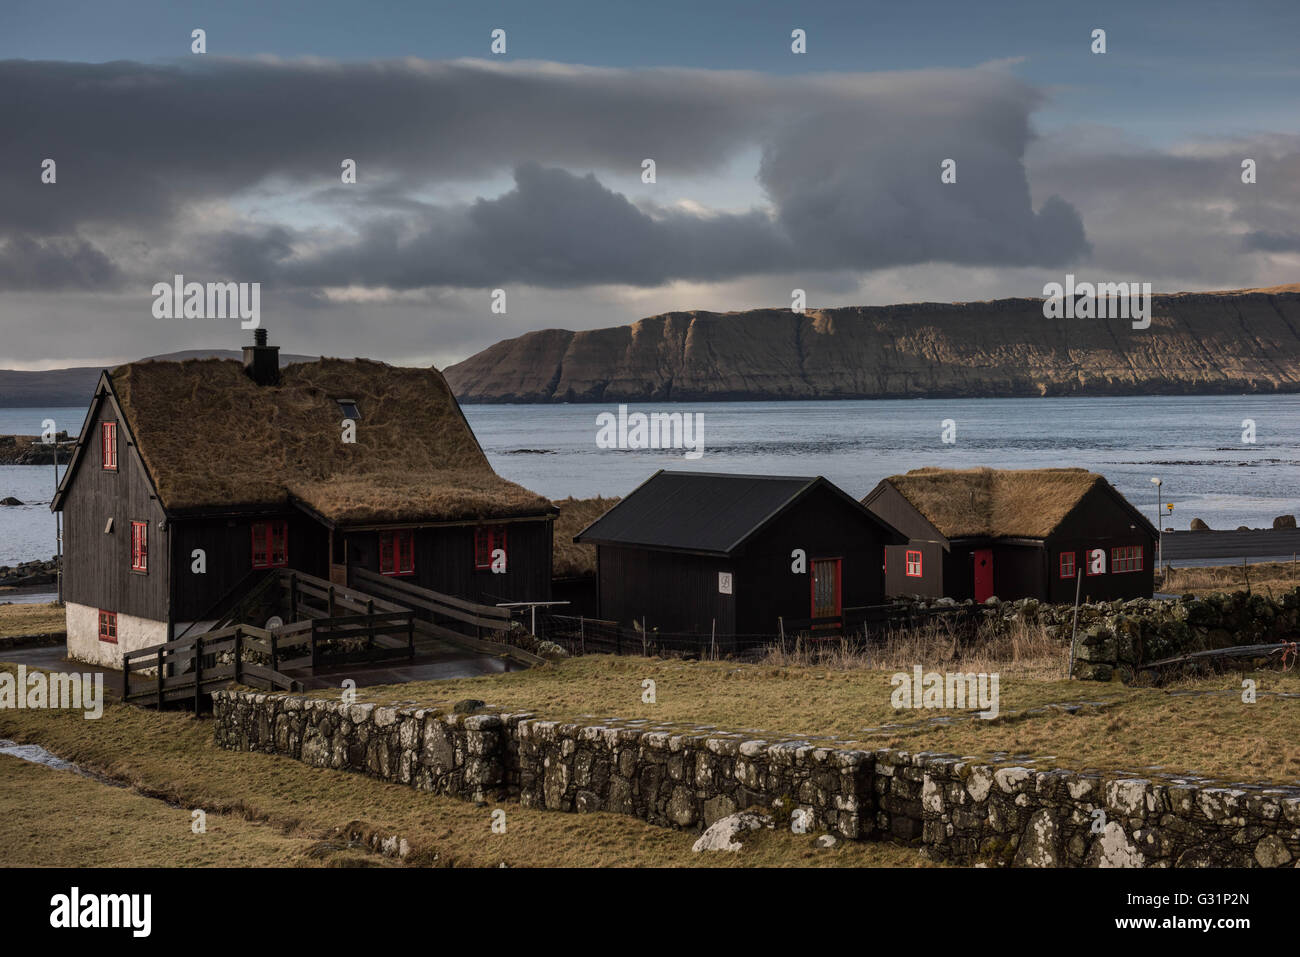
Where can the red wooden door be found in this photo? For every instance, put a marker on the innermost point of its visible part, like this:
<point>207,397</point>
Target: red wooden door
<point>983,573</point>
<point>825,588</point>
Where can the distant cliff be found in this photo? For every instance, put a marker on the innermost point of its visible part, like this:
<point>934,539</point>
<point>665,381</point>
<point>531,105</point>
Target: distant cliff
<point>1241,341</point>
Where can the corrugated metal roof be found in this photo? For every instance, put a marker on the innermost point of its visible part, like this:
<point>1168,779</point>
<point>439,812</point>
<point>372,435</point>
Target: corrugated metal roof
<point>695,511</point>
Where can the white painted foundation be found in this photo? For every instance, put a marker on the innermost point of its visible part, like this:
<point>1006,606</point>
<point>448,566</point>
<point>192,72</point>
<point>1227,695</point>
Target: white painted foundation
<point>132,634</point>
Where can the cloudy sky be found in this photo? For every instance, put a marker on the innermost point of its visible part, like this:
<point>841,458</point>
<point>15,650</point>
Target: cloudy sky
<point>523,170</point>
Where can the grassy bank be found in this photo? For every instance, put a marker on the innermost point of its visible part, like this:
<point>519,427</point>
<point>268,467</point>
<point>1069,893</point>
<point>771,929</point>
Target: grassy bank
<point>171,756</point>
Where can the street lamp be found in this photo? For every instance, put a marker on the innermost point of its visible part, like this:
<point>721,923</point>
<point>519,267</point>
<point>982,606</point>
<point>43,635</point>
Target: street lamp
<point>1160,534</point>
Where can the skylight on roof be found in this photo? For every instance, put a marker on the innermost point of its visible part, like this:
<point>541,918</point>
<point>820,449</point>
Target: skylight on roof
<point>349,407</point>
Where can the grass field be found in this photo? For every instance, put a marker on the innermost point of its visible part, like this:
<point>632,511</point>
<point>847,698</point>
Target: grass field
<point>301,811</point>
<point>29,619</point>
<point>1197,726</point>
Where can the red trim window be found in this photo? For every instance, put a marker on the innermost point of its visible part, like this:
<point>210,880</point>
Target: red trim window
<point>913,569</point>
<point>487,539</point>
<point>108,626</point>
<point>270,544</point>
<point>1087,562</point>
<point>1067,564</point>
<point>108,445</point>
<point>397,552</point>
<point>1126,558</point>
<point>139,546</point>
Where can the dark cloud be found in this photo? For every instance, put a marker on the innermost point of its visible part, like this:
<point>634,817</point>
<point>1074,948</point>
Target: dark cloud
<point>58,263</point>
<point>850,165</point>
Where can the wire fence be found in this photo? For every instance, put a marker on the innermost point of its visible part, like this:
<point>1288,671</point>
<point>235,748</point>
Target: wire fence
<point>854,628</point>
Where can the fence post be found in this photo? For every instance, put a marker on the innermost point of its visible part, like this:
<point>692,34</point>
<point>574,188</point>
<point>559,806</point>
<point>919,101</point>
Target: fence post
<point>293,596</point>
<point>1074,628</point>
<point>331,601</point>
<point>780,627</point>
<point>410,635</point>
<point>582,636</point>
<point>239,653</point>
<point>618,639</point>
<point>198,672</point>
<point>370,635</point>
<point>161,672</point>
<point>313,644</point>
<point>126,676</point>
<point>643,636</point>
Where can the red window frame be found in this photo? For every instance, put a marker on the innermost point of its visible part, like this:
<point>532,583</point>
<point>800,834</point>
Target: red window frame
<point>909,562</point>
<point>1126,558</point>
<point>270,544</point>
<point>108,446</point>
<point>487,539</point>
<point>1069,564</point>
<point>1087,562</point>
<point>108,626</point>
<point>397,552</point>
<point>139,546</point>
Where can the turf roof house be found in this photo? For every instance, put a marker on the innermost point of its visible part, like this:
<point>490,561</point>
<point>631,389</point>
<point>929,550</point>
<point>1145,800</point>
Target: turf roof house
<point>974,533</point>
<point>691,551</point>
<point>247,463</point>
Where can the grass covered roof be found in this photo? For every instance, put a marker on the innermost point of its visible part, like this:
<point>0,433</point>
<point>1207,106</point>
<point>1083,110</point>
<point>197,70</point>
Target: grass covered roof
<point>210,436</point>
<point>997,503</point>
<point>571,559</point>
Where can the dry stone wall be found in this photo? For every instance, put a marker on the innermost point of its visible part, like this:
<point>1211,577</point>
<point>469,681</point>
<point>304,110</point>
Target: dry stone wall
<point>959,810</point>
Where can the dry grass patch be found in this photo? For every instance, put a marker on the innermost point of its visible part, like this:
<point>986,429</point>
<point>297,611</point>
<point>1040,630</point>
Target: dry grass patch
<point>1232,740</point>
<point>793,701</point>
<point>1210,732</point>
<point>52,818</point>
<point>31,619</point>
<point>1016,649</point>
<point>1267,578</point>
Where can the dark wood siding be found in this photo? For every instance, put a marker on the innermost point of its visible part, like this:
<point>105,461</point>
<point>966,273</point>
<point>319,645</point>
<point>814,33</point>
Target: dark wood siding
<point>673,592</point>
<point>889,504</point>
<point>1101,522</point>
<point>678,592</point>
<point>97,566</point>
<point>934,561</point>
<point>444,561</point>
<point>824,525</point>
<point>227,544</point>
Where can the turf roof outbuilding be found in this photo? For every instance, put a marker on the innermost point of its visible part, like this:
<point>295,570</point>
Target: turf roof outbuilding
<point>1014,533</point>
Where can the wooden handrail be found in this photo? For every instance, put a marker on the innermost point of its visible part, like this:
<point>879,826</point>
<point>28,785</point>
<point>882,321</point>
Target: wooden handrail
<point>418,591</point>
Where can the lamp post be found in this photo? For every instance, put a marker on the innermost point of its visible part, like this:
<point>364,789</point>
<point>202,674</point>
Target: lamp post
<point>1160,533</point>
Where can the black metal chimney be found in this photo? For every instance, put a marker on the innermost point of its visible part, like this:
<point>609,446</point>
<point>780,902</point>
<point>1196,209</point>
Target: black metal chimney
<point>262,362</point>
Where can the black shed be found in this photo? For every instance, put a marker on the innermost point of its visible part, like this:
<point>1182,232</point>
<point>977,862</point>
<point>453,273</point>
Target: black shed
<point>1026,533</point>
<point>691,552</point>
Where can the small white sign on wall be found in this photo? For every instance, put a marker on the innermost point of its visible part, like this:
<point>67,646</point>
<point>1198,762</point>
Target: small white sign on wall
<point>724,583</point>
